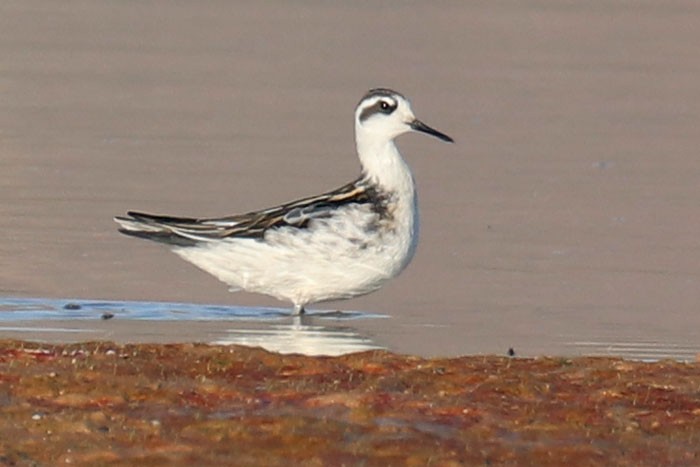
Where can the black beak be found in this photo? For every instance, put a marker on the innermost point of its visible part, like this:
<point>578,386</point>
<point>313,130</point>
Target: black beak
<point>417,125</point>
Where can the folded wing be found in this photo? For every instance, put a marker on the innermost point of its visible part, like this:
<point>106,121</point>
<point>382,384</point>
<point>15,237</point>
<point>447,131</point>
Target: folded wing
<point>185,231</point>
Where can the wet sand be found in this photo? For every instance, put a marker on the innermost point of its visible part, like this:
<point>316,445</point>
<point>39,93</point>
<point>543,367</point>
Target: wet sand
<point>565,214</point>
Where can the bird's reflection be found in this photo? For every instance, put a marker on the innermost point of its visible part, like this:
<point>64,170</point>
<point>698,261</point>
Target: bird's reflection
<point>301,336</point>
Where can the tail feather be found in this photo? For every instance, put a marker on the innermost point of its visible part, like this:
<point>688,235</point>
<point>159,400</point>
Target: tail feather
<point>159,219</point>
<point>152,227</point>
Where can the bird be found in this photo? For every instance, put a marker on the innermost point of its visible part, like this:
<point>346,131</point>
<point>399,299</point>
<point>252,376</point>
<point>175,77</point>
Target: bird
<point>334,246</point>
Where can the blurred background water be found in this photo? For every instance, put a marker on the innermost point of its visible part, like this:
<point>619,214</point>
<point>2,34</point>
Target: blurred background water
<point>564,220</point>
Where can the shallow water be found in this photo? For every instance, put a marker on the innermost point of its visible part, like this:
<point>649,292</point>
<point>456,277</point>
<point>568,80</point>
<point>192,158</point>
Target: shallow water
<point>563,221</point>
<point>319,332</point>
<point>316,333</point>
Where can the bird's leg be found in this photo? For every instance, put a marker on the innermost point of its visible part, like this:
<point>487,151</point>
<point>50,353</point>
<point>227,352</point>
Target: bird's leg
<point>298,310</point>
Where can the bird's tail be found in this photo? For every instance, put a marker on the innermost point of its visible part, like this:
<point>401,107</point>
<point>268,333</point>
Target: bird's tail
<point>161,229</point>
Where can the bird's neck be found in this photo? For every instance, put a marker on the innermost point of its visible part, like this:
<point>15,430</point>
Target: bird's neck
<point>382,164</point>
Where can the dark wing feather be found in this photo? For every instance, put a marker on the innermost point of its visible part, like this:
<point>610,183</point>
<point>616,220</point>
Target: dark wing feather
<point>186,231</point>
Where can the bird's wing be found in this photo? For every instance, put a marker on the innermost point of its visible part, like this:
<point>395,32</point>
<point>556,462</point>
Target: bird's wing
<point>297,214</point>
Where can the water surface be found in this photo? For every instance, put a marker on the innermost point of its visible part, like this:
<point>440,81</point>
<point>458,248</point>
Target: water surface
<point>563,221</point>
<point>316,333</point>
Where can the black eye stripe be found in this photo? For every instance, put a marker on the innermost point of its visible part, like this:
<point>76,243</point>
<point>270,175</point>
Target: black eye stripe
<point>382,106</point>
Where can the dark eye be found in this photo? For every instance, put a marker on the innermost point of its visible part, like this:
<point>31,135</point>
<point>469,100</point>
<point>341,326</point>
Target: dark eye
<point>384,105</point>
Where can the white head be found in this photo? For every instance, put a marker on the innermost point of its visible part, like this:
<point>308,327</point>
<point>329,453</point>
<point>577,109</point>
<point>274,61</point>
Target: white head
<point>383,114</point>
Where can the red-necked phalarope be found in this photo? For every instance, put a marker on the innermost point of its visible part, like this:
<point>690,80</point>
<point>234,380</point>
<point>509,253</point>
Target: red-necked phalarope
<point>337,245</point>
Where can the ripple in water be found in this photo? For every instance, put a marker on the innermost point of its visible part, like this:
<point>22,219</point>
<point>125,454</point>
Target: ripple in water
<point>316,333</point>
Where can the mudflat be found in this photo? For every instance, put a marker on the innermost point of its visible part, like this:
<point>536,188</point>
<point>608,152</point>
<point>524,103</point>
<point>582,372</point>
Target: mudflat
<point>564,219</point>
